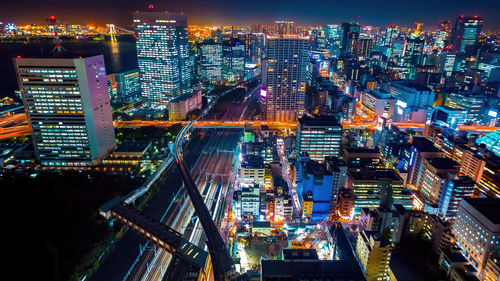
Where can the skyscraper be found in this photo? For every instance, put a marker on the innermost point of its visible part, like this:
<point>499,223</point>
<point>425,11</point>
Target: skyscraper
<point>256,47</point>
<point>210,61</point>
<point>285,77</point>
<point>350,37</point>
<point>162,54</point>
<point>233,60</point>
<point>465,32</point>
<point>284,27</point>
<point>68,108</point>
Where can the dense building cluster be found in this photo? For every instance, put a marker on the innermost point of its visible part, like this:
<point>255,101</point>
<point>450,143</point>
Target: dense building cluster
<point>357,139</point>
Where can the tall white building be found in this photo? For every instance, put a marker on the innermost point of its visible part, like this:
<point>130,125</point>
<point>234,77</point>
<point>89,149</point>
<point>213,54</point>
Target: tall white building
<point>68,108</point>
<point>285,77</point>
<point>162,55</point>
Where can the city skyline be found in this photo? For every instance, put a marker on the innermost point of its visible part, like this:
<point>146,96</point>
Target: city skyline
<point>224,12</point>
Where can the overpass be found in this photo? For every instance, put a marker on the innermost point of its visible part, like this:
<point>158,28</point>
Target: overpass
<point>222,263</point>
<point>159,234</point>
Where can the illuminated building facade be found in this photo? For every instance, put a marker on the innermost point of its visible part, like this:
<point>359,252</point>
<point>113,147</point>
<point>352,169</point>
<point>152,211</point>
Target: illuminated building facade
<point>433,179</point>
<point>477,229</point>
<point>285,77</point>
<point>316,181</point>
<point>162,55</point>
<point>374,253</point>
<point>465,32</point>
<point>364,47</point>
<point>350,37</point>
<point>233,60</point>
<point>124,86</point>
<point>489,183</point>
<point>474,105</point>
<point>210,61</point>
<point>320,137</point>
<point>412,94</point>
<point>252,171</point>
<point>380,102</point>
<point>491,141</point>
<point>181,106</point>
<point>377,187</point>
<point>256,47</point>
<point>68,108</point>
<point>284,27</point>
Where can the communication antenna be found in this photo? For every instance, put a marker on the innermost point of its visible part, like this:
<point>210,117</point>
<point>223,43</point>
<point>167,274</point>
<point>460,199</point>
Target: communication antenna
<point>58,48</point>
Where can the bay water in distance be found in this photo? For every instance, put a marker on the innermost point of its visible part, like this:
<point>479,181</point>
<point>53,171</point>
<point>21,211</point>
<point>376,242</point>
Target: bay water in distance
<point>118,55</point>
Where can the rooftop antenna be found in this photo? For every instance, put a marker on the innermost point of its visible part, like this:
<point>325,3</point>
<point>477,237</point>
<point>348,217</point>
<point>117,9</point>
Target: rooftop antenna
<point>58,49</point>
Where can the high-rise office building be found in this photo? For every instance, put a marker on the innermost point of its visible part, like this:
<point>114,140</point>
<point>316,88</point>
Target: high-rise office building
<point>68,108</point>
<point>256,47</point>
<point>465,32</point>
<point>233,60</point>
<point>391,33</point>
<point>350,37</point>
<point>364,47</point>
<point>433,179</point>
<point>162,55</point>
<point>319,137</point>
<point>444,25</point>
<point>413,52</point>
<point>284,27</point>
<point>285,77</point>
<point>210,61</point>
<point>124,86</point>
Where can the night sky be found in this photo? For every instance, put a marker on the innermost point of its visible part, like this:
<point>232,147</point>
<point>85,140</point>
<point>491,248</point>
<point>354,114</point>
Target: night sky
<point>367,12</point>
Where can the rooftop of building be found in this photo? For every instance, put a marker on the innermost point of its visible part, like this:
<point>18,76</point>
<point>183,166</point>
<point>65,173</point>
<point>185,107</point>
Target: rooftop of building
<point>443,163</point>
<point>252,161</point>
<point>463,181</point>
<point>411,84</point>
<point>346,193</point>
<point>423,144</point>
<point>311,270</point>
<point>375,175</point>
<point>361,150</point>
<point>300,254</point>
<point>381,94</point>
<point>316,168</point>
<point>184,97</point>
<point>376,236</point>
<point>261,224</point>
<point>319,120</point>
<point>488,207</point>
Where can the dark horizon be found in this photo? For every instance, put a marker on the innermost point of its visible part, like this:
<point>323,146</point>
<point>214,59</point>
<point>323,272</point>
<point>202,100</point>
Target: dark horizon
<point>225,12</point>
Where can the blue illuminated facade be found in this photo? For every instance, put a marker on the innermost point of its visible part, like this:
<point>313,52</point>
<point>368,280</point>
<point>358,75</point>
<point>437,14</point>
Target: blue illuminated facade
<point>316,179</point>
